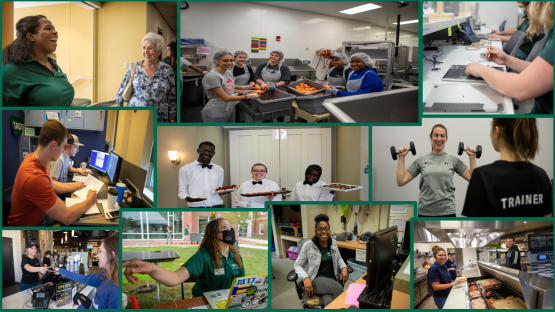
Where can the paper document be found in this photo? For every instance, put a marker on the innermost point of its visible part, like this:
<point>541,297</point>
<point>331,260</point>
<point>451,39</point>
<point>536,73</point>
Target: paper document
<point>73,201</point>
<point>353,292</point>
<point>77,178</point>
<point>201,307</point>
<point>91,183</point>
<point>52,115</point>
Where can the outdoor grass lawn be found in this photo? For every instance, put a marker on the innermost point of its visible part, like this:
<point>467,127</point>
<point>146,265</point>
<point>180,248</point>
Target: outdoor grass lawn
<point>255,262</point>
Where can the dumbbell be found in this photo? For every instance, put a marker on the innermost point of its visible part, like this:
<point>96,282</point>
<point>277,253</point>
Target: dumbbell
<point>477,150</point>
<point>394,151</point>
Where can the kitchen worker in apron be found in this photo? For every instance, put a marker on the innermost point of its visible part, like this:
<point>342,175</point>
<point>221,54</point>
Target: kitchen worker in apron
<point>308,190</point>
<point>451,265</point>
<point>273,74</point>
<point>362,80</point>
<point>223,94</point>
<point>214,268</point>
<point>243,74</point>
<point>257,184</point>
<point>338,74</point>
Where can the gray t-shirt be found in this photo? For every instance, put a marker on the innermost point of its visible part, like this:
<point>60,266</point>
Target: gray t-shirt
<point>214,79</point>
<point>60,168</point>
<point>437,191</point>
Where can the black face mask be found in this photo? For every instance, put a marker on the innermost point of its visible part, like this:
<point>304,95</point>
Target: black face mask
<point>229,236</point>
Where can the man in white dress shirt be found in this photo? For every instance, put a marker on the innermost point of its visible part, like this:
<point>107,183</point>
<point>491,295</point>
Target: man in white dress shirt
<point>199,179</point>
<point>257,184</point>
<point>308,190</point>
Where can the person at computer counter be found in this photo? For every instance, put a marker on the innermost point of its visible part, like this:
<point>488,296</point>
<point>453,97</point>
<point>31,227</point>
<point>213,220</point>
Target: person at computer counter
<point>34,202</point>
<point>362,79</point>
<point>437,190</point>
<point>31,271</point>
<point>439,278</point>
<point>511,186</point>
<point>215,265</point>
<point>106,283</point>
<point>529,80</point>
<point>257,184</point>
<point>60,168</point>
<point>319,264</point>
<point>308,190</point>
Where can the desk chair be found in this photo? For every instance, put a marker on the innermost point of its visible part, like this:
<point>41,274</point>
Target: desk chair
<point>6,205</point>
<point>299,287</point>
<point>512,46</point>
<point>502,27</point>
<point>536,49</point>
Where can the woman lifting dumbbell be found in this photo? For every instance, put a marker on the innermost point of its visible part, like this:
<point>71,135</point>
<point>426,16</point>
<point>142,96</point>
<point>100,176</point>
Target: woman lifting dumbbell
<point>437,191</point>
<point>511,186</point>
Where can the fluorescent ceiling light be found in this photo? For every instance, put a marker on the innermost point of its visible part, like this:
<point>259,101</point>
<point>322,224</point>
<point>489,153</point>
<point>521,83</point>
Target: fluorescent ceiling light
<point>361,8</point>
<point>407,22</point>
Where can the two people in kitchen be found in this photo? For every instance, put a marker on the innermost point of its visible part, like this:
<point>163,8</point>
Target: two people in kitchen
<point>440,277</point>
<point>361,78</point>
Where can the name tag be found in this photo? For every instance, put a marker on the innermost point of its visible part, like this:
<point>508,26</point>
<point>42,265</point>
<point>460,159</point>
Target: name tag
<point>234,266</point>
<point>219,272</point>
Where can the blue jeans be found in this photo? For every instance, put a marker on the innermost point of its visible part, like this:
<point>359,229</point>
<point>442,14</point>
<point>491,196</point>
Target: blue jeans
<point>440,301</point>
<point>521,55</point>
<point>23,287</point>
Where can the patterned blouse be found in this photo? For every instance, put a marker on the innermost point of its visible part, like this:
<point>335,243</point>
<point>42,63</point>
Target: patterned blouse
<point>157,92</point>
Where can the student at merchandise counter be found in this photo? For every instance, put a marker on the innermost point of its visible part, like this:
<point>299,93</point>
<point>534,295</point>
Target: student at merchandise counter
<point>319,264</point>
<point>511,186</point>
<point>530,79</point>
<point>362,80</point>
<point>257,184</point>
<point>107,283</point>
<point>215,265</point>
<point>34,202</point>
<point>439,278</point>
<point>308,190</point>
<point>31,271</point>
<point>46,260</point>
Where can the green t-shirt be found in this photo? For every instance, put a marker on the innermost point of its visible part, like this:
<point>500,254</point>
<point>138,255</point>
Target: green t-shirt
<point>326,263</point>
<point>200,265</point>
<point>186,231</point>
<point>544,103</point>
<point>168,61</point>
<point>437,191</point>
<point>528,44</point>
<point>33,84</point>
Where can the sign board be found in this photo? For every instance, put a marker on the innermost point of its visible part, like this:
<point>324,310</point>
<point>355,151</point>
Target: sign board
<point>64,293</point>
<point>17,124</point>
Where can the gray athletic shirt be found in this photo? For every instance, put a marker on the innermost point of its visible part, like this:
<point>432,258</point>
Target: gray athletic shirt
<point>60,168</point>
<point>437,191</point>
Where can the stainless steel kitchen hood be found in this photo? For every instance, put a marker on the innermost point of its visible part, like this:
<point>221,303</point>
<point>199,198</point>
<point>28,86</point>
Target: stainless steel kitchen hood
<point>462,234</point>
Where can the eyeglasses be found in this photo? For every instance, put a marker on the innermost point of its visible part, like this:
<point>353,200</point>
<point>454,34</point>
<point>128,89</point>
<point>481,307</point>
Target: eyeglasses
<point>326,229</point>
<point>207,151</point>
<point>259,171</point>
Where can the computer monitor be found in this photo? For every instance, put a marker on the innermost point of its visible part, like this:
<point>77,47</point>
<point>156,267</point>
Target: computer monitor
<point>114,167</point>
<point>99,160</point>
<point>406,238</point>
<point>380,252</point>
<point>134,174</point>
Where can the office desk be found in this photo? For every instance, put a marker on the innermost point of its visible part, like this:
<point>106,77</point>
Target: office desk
<point>18,300</point>
<point>152,257</point>
<point>455,55</point>
<point>339,302</point>
<point>183,304</point>
<point>354,245</point>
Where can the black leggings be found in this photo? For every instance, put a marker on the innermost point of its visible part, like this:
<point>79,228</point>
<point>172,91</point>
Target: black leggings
<point>445,216</point>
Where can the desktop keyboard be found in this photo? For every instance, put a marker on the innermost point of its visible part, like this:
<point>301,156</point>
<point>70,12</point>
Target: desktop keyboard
<point>378,298</point>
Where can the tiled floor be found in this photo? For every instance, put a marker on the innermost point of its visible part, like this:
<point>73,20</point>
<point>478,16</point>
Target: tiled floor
<point>427,303</point>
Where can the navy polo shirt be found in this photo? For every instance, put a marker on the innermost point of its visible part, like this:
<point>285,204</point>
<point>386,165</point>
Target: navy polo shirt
<point>451,264</point>
<point>439,273</point>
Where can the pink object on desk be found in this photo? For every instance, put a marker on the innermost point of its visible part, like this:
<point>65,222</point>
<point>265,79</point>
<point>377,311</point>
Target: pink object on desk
<point>353,292</point>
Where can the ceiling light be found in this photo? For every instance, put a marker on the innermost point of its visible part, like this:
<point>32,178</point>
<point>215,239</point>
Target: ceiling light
<point>407,22</point>
<point>360,9</point>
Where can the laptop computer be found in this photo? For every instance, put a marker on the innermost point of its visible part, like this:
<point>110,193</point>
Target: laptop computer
<point>248,292</point>
<point>458,73</point>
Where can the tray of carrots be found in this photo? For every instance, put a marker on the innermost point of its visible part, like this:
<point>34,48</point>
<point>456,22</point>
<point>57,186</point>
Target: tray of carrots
<point>305,87</point>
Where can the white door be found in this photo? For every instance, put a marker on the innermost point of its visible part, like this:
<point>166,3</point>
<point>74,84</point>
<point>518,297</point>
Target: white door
<point>286,158</point>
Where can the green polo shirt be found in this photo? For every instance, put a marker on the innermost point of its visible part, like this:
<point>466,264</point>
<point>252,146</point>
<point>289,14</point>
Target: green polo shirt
<point>168,61</point>
<point>544,104</point>
<point>33,84</point>
<point>326,263</point>
<point>186,231</point>
<point>528,44</point>
<point>200,265</point>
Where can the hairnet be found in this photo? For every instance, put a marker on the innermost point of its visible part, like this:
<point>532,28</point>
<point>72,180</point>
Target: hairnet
<point>218,56</point>
<point>342,57</point>
<point>365,58</point>
<point>281,55</point>
<point>237,53</point>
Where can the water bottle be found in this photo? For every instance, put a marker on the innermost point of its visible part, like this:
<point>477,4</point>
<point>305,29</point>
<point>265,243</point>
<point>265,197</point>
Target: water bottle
<point>67,263</point>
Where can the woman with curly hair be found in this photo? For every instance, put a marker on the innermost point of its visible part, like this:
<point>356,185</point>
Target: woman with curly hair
<point>215,265</point>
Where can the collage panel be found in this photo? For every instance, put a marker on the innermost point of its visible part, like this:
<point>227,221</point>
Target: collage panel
<point>346,256</point>
<point>60,269</point>
<point>243,167</point>
<point>334,61</point>
<point>476,167</point>
<point>483,264</point>
<point>75,167</point>
<point>487,57</point>
<point>195,259</point>
<point>83,54</point>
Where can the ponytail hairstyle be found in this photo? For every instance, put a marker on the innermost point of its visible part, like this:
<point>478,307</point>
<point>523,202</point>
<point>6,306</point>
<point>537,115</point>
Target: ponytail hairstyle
<point>111,244</point>
<point>520,135</point>
<point>21,49</point>
<point>210,242</point>
<point>432,132</point>
<point>436,249</point>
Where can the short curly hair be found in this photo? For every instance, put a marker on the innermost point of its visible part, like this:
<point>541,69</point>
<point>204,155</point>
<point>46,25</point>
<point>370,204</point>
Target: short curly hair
<point>156,39</point>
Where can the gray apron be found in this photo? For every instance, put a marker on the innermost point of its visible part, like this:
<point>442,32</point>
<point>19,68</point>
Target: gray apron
<point>242,80</point>
<point>341,81</point>
<point>354,85</point>
<point>216,110</point>
<point>269,77</point>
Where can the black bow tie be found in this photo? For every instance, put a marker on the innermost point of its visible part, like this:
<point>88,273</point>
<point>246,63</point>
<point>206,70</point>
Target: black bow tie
<point>206,166</point>
<point>259,182</point>
<point>307,183</point>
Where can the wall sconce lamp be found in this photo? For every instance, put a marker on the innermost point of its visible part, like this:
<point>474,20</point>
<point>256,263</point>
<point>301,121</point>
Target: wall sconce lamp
<point>174,158</point>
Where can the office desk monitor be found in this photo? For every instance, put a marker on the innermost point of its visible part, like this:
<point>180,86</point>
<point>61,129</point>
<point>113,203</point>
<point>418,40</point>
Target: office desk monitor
<point>134,173</point>
<point>99,160</point>
<point>114,167</point>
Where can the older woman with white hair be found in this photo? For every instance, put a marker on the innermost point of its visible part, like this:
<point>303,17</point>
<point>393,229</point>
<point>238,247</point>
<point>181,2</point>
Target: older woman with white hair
<point>221,90</point>
<point>363,79</point>
<point>152,81</point>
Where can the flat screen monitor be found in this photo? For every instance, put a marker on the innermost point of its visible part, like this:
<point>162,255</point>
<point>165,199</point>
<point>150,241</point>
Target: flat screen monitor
<point>99,160</point>
<point>542,257</point>
<point>380,252</point>
<point>114,166</point>
<point>406,238</point>
<point>134,174</point>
